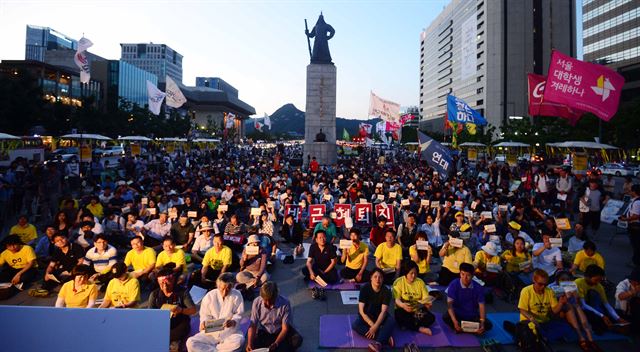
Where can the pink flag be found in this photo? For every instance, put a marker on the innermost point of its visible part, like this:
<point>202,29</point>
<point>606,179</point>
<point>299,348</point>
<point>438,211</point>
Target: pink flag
<point>540,107</point>
<point>583,86</point>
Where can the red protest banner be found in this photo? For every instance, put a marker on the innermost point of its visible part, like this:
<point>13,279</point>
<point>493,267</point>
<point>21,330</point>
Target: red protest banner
<point>316,212</point>
<point>387,212</point>
<point>363,214</point>
<point>342,211</point>
<point>294,210</point>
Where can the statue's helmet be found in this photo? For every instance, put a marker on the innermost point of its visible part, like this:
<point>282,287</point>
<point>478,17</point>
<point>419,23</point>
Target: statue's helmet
<point>320,19</point>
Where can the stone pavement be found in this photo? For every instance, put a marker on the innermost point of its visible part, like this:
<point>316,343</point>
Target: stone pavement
<point>307,311</point>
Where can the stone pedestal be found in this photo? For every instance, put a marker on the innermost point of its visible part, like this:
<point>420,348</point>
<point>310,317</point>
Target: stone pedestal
<point>320,113</point>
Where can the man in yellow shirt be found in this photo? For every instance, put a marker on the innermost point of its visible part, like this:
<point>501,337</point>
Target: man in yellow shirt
<point>355,259</point>
<point>26,231</point>
<point>452,257</point>
<point>586,257</point>
<point>388,257</point>
<point>538,305</point>
<point>123,290</point>
<point>141,258</point>
<point>595,304</point>
<point>217,260</point>
<point>18,261</point>
<point>171,257</point>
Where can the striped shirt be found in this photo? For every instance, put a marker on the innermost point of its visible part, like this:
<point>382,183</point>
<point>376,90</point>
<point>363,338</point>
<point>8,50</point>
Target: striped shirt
<point>101,262</point>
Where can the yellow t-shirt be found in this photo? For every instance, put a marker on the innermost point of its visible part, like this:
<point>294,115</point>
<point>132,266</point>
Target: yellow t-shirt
<point>176,257</point>
<point>388,256</point>
<point>355,256</point>
<point>216,260</point>
<point>20,259</point>
<point>583,288</point>
<point>583,261</point>
<point>410,292</point>
<point>482,259</point>
<point>456,256</point>
<point>538,304</point>
<point>27,234</point>
<point>80,298</point>
<point>514,259</point>
<point>140,261</point>
<point>97,210</point>
<point>119,292</point>
<point>423,265</point>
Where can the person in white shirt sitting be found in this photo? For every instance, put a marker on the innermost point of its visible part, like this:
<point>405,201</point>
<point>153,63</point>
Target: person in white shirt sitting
<point>546,257</point>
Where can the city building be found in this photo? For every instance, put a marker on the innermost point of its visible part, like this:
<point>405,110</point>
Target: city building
<point>611,36</point>
<point>58,84</point>
<point>39,40</point>
<point>158,59</point>
<point>122,81</point>
<point>216,83</point>
<point>481,52</point>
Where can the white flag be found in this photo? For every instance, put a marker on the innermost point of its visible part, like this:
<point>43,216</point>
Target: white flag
<point>175,98</point>
<point>366,127</point>
<point>230,120</point>
<point>258,126</point>
<point>156,96</point>
<point>267,120</point>
<point>81,59</point>
<point>383,109</point>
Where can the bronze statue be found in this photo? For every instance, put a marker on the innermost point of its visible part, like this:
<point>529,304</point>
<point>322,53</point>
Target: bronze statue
<point>321,137</point>
<point>322,32</point>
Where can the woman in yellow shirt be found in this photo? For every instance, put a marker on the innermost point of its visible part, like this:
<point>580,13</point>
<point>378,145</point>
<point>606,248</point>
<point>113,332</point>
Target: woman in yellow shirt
<point>518,263</point>
<point>412,299</point>
<point>421,257</point>
<point>452,257</point>
<point>78,293</point>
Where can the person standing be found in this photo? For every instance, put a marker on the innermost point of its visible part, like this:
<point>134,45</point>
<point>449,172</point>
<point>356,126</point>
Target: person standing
<point>632,216</point>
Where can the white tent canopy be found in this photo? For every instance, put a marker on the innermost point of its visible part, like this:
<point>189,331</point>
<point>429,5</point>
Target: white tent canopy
<point>581,144</point>
<point>512,145</point>
<point>135,138</point>
<point>472,144</point>
<point>173,139</point>
<point>206,140</point>
<point>86,136</point>
<point>8,136</point>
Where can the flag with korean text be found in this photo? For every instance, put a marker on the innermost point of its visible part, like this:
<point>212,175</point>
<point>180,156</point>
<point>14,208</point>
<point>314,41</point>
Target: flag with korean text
<point>435,154</point>
<point>583,86</point>
<point>383,109</point>
<point>362,216</point>
<point>406,118</point>
<point>316,212</point>
<point>386,210</point>
<point>156,96</point>
<point>461,113</point>
<point>538,106</point>
<point>175,98</point>
<point>342,211</point>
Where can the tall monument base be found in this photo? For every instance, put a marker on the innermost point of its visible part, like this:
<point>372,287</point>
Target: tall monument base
<point>320,114</point>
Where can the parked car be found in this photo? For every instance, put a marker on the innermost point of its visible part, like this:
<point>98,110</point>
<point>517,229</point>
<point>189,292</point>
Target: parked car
<point>634,167</point>
<point>65,153</point>
<point>113,150</point>
<point>616,169</point>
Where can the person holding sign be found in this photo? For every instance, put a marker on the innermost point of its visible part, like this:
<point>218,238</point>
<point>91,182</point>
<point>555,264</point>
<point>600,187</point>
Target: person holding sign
<point>170,296</point>
<point>465,302</point>
<point>253,264</point>
<point>221,310</point>
<point>322,260</point>
<point>388,257</point>
<point>546,257</point>
<point>292,231</point>
<point>373,321</point>
<point>412,299</point>
<point>518,263</point>
<point>489,266</point>
<point>355,259</point>
<point>453,254</point>
<point>421,253</point>
<point>595,304</point>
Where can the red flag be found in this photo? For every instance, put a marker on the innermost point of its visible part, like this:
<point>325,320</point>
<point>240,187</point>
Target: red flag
<point>583,86</point>
<point>538,106</point>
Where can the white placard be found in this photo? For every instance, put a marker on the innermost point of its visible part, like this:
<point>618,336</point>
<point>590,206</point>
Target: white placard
<point>456,242</point>
<point>283,196</point>
<point>524,265</point>
<point>378,185</point>
<point>555,242</point>
<point>490,228</point>
<point>350,297</point>
<point>388,270</point>
<point>404,202</point>
<point>469,326</point>
<point>494,268</point>
<point>494,238</point>
<point>465,235</point>
<point>392,194</point>
<point>125,210</point>
<point>197,293</point>
<point>458,204</point>
<point>144,201</point>
<point>326,197</point>
<point>563,223</point>
<point>569,286</point>
<point>473,205</point>
<point>302,204</point>
<point>380,197</point>
<point>192,214</point>
<point>487,215</point>
<point>363,201</point>
<point>503,208</point>
<point>152,211</point>
<point>342,201</point>
<point>348,222</point>
<point>252,250</point>
<point>223,207</point>
<point>435,204</point>
<point>422,245</point>
<point>468,214</point>
<point>345,244</point>
<point>562,197</point>
<point>424,202</point>
<point>255,212</point>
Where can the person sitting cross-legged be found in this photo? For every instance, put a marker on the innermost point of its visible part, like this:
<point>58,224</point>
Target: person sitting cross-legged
<point>253,266</point>
<point>65,257</point>
<point>355,259</point>
<point>322,260</point>
<point>465,301</point>
<point>374,321</point>
<point>412,299</point>
<point>388,257</point>
<point>123,291</point>
<point>17,262</point>
<point>595,304</point>
<point>216,261</point>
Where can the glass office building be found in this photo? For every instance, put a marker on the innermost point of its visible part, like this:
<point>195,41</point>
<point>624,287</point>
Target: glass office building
<point>123,81</point>
<point>41,39</point>
<point>158,59</point>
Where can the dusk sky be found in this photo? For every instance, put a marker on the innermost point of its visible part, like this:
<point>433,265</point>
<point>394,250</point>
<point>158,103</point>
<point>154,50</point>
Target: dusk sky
<point>257,46</point>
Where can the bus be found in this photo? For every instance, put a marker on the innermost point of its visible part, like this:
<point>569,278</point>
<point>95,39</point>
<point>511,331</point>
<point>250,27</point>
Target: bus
<point>29,148</point>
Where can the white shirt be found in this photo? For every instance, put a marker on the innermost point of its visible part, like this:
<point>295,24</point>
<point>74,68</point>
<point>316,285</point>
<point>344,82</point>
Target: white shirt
<point>157,230</point>
<point>541,183</point>
<point>227,195</point>
<point>623,286</point>
<point>547,259</point>
<point>201,244</point>
<point>433,233</point>
<point>213,306</point>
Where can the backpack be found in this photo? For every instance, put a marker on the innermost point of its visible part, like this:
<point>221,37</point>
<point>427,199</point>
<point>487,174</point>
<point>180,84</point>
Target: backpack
<point>528,340</point>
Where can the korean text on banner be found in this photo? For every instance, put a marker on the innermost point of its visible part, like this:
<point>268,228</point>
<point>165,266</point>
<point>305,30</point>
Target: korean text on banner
<point>385,210</point>
<point>583,86</point>
<point>436,155</point>
<point>383,109</point>
<point>538,106</point>
<point>294,210</point>
<point>342,211</point>
<point>316,212</point>
<point>362,214</point>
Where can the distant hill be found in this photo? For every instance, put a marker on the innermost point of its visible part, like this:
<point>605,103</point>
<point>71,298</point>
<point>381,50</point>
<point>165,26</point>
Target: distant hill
<point>289,119</point>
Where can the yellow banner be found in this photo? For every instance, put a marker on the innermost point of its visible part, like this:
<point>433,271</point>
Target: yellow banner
<point>579,162</point>
<point>472,154</point>
<point>85,153</point>
<point>170,148</point>
<point>135,149</point>
<point>512,159</point>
